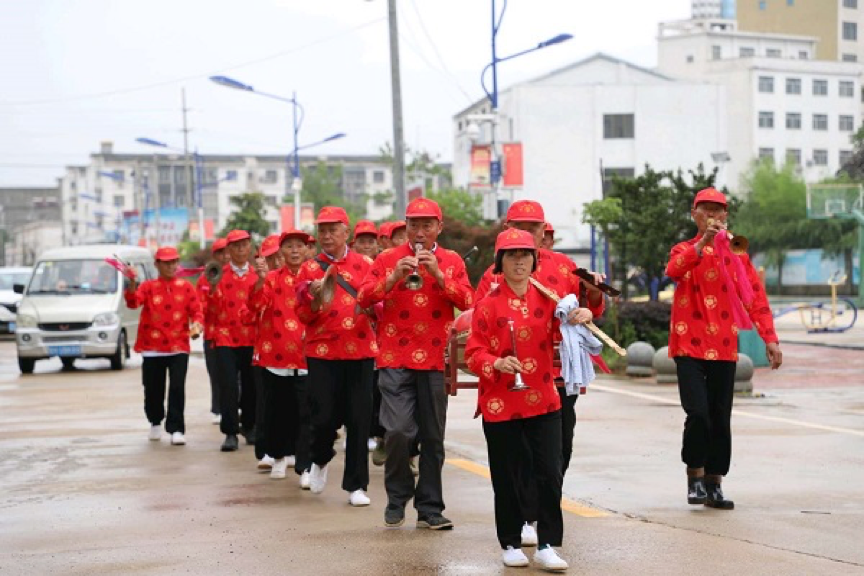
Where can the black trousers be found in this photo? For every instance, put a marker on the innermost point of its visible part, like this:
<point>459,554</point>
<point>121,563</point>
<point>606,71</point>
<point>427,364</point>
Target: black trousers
<point>543,435</point>
<point>261,401</point>
<point>568,426</point>
<point>706,388</point>
<point>376,430</point>
<point>235,371</point>
<point>213,372</point>
<point>340,393</point>
<point>153,372</point>
<point>413,408</point>
<point>286,418</point>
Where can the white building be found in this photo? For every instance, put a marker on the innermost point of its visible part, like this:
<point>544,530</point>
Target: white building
<point>599,112</point>
<point>781,104</point>
<point>30,240</point>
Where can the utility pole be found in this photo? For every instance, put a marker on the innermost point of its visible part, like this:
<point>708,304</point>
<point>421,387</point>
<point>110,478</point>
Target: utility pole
<point>188,159</point>
<point>398,138</point>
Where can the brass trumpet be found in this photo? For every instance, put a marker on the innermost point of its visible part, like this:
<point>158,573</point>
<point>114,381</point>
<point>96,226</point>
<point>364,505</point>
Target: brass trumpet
<point>213,272</point>
<point>414,281</point>
<point>737,243</point>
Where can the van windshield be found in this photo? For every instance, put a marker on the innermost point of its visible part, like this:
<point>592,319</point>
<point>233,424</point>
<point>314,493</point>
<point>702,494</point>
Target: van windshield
<point>73,277</point>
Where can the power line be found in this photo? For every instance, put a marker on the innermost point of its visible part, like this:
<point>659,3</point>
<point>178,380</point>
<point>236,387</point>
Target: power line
<point>196,76</point>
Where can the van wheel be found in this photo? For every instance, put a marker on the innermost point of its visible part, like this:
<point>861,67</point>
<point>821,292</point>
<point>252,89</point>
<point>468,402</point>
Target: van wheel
<point>68,363</point>
<point>26,365</point>
<point>118,360</point>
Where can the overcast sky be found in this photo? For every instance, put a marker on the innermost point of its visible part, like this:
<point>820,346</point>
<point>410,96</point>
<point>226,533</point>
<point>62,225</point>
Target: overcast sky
<point>76,72</point>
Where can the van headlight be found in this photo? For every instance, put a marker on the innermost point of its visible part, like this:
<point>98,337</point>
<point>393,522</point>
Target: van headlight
<point>106,319</point>
<point>26,321</point>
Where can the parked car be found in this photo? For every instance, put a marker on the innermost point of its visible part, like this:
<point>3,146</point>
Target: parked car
<point>8,298</point>
<point>73,306</point>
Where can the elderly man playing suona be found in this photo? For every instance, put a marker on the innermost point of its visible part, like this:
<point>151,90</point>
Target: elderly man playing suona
<point>340,352</point>
<point>420,283</point>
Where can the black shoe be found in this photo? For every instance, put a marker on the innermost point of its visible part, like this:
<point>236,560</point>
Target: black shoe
<point>230,444</point>
<point>716,498</point>
<point>434,522</point>
<point>250,436</point>
<point>394,516</point>
<point>696,493</point>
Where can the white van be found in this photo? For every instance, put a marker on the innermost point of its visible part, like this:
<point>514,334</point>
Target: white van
<point>73,306</point>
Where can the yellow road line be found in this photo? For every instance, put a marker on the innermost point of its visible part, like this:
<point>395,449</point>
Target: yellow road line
<point>736,412</point>
<point>566,504</point>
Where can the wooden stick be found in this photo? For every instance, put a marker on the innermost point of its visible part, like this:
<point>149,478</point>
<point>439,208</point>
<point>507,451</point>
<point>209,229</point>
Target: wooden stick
<point>590,325</point>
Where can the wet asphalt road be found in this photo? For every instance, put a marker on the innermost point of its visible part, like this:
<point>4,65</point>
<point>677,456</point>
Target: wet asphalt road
<point>84,492</point>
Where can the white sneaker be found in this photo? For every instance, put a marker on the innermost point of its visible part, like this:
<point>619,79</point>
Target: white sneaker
<point>529,535</point>
<point>278,470</point>
<point>317,479</point>
<point>215,418</point>
<point>305,479</point>
<point>359,498</point>
<point>372,444</point>
<point>291,460</point>
<point>177,439</point>
<point>155,433</point>
<point>514,557</point>
<point>549,560</point>
<point>266,464</point>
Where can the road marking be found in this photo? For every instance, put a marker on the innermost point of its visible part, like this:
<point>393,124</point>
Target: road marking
<point>566,504</point>
<point>736,412</point>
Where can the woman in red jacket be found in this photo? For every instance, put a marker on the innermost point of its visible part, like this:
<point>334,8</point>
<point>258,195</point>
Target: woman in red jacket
<point>516,314</point>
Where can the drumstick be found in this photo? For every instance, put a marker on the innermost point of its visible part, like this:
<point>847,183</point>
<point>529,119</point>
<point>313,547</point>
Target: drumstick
<point>590,325</point>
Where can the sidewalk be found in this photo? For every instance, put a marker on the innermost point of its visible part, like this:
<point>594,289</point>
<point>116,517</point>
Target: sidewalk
<point>791,331</point>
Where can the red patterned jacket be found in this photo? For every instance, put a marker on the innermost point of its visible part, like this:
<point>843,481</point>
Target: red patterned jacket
<point>202,287</point>
<point>280,333</point>
<point>168,307</point>
<point>413,332</point>
<point>235,323</point>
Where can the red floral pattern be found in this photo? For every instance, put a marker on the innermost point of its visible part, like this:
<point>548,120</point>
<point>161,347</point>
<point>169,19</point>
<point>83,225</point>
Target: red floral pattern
<point>168,307</point>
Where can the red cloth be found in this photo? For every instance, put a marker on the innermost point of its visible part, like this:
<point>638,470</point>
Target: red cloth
<point>168,307</point>
<point>279,343</point>
<point>413,331</point>
<point>340,332</point>
<point>702,325</point>
<point>490,339</point>
<point>235,324</point>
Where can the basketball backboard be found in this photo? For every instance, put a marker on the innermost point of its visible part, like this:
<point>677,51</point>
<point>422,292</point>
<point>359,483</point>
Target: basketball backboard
<point>834,200</point>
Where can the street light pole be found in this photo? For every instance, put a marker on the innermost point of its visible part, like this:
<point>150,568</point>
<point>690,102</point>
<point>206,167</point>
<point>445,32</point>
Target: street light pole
<point>398,135</point>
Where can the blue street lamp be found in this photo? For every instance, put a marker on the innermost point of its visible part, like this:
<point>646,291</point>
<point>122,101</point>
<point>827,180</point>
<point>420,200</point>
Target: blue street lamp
<point>298,115</point>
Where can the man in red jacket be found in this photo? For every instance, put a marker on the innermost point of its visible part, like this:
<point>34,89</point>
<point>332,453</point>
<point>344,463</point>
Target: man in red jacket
<point>703,340</point>
<point>169,305</point>
<point>235,337</point>
<point>220,255</point>
<point>340,350</point>
<point>365,238</point>
<point>411,363</point>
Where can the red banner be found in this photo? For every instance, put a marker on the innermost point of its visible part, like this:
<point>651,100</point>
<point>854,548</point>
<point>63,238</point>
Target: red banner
<point>513,177</point>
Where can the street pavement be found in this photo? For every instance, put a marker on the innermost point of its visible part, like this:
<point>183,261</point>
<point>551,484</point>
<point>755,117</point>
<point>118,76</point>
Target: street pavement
<point>84,492</point>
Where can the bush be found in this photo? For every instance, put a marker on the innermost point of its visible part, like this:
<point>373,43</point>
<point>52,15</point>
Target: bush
<point>628,322</point>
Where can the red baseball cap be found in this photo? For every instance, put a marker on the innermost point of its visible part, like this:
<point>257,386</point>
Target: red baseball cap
<point>709,195</point>
<point>422,208</point>
<point>396,226</point>
<point>166,254</point>
<point>219,244</point>
<point>332,214</point>
<point>310,239</point>
<point>292,233</point>
<point>384,229</point>
<point>270,245</point>
<point>549,228</point>
<point>526,211</point>
<point>365,227</point>
<point>514,239</point>
<point>236,236</point>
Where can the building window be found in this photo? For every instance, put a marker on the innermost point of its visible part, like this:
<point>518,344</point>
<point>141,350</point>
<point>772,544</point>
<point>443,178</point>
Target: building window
<point>119,175</point>
<point>820,122</point>
<point>271,200</point>
<point>609,175</point>
<point>845,156</point>
<point>803,55</point>
<point>847,123</point>
<point>766,154</point>
<point>850,31</point>
<point>820,157</point>
<point>766,120</point>
<point>618,126</point>
<point>850,4</point>
<point>850,57</point>
<point>119,200</point>
<point>820,87</point>
<point>270,177</point>
<point>766,84</point>
<point>164,174</point>
<point>793,121</point>
<point>847,89</point>
<point>716,52</point>
<point>378,177</point>
<point>773,53</point>
<point>793,86</point>
<point>231,175</point>
<point>746,52</point>
<point>793,156</point>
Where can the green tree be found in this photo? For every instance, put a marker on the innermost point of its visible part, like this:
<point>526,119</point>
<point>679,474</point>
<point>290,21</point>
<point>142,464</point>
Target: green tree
<point>459,205</point>
<point>322,186</point>
<point>248,216</point>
